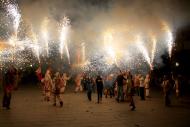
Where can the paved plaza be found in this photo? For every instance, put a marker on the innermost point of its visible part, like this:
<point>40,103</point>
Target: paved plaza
<point>29,110</point>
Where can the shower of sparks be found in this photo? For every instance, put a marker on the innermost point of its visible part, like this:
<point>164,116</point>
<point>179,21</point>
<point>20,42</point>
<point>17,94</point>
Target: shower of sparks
<point>143,50</point>
<point>45,34</point>
<point>68,54</point>
<point>13,11</point>
<point>35,46</point>
<point>169,38</point>
<point>116,51</point>
<point>108,42</point>
<point>65,25</point>
<point>154,41</point>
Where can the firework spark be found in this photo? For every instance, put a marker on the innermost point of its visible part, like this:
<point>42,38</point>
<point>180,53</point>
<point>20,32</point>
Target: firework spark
<point>67,52</point>
<point>108,41</point>
<point>35,46</point>
<point>45,34</point>
<point>169,37</point>
<point>154,41</point>
<point>13,11</point>
<point>143,50</point>
<point>65,25</point>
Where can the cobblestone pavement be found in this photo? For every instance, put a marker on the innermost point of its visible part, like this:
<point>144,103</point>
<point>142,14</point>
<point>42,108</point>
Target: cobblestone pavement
<point>28,109</point>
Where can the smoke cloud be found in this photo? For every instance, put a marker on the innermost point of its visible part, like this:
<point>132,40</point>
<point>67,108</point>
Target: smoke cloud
<point>125,19</point>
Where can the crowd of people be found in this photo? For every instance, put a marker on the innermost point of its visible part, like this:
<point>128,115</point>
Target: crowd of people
<point>121,86</point>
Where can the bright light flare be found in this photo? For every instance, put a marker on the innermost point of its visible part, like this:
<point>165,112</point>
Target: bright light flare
<point>65,25</point>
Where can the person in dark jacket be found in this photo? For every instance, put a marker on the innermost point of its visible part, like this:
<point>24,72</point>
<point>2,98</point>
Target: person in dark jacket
<point>99,84</point>
<point>119,81</point>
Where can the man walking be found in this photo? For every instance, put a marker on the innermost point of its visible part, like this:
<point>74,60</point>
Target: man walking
<point>99,84</point>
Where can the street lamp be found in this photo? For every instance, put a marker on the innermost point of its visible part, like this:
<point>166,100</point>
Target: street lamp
<point>177,64</point>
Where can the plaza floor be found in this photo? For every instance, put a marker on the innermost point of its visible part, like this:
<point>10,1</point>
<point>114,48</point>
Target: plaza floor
<point>29,110</point>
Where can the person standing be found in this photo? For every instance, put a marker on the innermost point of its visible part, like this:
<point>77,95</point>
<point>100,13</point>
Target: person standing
<point>147,85</point>
<point>99,84</point>
<point>89,85</point>
<point>125,86</point>
<point>78,83</point>
<point>40,79</point>
<point>131,91</point>
<point>107,86</point>
<point>166,84</point>
<point>8,88</point>
<point>137,84</point>
<point>177,86</point>
<point>48,85</point>
<point>64,80</point>
<point>142,95</point>
<point>119,82</point>
<point>56,89</point>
